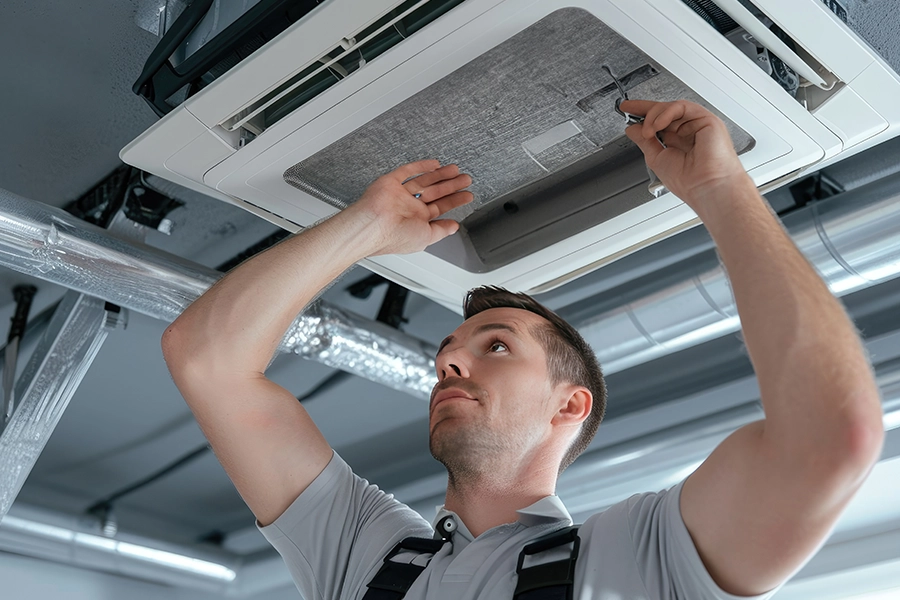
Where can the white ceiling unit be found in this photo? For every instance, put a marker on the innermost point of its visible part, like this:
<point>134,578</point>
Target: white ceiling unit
<point>519,93</point>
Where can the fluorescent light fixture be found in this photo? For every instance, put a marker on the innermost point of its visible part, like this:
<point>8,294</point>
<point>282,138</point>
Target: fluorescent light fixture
<point>163,558</point>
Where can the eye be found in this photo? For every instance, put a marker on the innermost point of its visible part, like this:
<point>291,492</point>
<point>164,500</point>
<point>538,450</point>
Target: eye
<point>498,346</point>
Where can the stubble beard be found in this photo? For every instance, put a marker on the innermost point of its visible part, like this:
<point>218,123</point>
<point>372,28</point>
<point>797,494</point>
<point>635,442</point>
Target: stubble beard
<point>465,450</point>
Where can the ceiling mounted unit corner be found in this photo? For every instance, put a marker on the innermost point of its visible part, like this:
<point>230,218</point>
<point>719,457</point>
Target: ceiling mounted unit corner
<point>521,94</point>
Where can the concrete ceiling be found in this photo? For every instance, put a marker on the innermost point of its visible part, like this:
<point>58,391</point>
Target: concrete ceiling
<point>65,91</point>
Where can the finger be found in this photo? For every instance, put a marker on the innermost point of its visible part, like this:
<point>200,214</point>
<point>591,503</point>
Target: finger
<point>441,229</point>
<point>660,117</point>
<point>637,107</point>
<point>445,188</point>
<point>651,148</point>
<point>448,203</point>
<point>690,128</point>
<point>420,182</point>
<point>678,141</point>
<point>412,169</point>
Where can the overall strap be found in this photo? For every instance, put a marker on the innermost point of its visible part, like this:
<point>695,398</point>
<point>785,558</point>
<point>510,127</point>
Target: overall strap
<point>394,579</point>
<point>548,581</point>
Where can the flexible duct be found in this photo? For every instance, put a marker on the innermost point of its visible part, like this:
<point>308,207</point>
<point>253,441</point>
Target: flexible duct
<point>47,243</point>
<point>852,239</point>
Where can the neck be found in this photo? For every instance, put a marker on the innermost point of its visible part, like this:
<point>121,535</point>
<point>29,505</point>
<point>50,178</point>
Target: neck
<point>484,500</point>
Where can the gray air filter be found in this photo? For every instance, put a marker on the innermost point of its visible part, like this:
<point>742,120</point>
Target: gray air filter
<point>533,121</point>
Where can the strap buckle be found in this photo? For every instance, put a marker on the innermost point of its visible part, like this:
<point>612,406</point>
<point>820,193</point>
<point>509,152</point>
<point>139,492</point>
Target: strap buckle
<point>557,573</point>
<point>397,577</point>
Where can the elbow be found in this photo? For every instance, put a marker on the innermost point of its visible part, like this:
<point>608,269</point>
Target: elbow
<point>858,438</point>
<point>171,341</point>
<point>864,439</point>
<point>176,348</point>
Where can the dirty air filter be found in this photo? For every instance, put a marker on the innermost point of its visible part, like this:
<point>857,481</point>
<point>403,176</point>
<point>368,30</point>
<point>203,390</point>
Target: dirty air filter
<point>533,122</point>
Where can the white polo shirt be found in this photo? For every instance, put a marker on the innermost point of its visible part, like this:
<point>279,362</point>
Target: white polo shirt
<point>336,534</point>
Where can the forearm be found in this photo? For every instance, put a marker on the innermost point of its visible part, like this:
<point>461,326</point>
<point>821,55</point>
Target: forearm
<point>239,322</point>
<point>814,377</point>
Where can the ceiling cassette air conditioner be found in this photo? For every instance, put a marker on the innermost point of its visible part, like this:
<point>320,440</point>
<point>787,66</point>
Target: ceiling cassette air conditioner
<point>521,94</point>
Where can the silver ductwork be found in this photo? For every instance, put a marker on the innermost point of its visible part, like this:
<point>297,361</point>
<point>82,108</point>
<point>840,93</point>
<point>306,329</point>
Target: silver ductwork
<point>48,243</point>
<point>852,239</point>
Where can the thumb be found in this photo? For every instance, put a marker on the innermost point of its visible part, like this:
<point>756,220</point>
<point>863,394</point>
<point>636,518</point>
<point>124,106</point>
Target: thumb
<point>442,228</point>
<point>651,148</point>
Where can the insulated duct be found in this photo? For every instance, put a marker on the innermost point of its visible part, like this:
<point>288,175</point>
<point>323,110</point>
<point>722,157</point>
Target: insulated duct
<point>47,243</point>
<point>852,239</point>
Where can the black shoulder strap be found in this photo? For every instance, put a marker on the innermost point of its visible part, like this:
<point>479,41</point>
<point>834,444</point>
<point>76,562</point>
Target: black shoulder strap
<point>548,581</point>
<point>394,579</point>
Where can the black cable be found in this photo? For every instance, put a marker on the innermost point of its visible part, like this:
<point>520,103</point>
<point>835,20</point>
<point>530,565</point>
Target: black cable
<point>35,326</point>
<point>332,380</point>
<point>149,479</point>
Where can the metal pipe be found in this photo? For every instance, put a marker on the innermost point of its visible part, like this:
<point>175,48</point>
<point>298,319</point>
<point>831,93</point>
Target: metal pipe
<point>852,239</point>
<point>49,244</point>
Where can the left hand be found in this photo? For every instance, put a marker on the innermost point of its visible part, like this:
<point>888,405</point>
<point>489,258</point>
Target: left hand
<point>399,221</point>
<point>699,157</point>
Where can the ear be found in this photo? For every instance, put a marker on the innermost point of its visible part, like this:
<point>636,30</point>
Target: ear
<point>575,405</point>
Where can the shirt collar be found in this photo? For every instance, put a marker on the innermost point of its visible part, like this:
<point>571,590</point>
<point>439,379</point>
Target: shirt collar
<point>545,510</point>
<point>548,508</point>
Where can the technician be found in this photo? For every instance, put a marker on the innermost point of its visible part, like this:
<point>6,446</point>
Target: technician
<point>519,396</point>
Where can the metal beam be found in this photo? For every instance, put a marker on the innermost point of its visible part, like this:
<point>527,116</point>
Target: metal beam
<point>74,336</point>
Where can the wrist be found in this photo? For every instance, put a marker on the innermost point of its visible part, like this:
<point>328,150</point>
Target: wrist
<point>721,199</point>
<point>356,232</point>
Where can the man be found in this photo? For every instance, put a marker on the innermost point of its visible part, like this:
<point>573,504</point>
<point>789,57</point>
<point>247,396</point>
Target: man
<point>507,413</point>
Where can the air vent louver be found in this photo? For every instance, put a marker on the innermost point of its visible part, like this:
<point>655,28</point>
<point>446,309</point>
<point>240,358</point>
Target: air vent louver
<point>349,55</point>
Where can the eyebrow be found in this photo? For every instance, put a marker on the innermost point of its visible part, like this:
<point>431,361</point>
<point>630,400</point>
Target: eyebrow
<point>479,330</point>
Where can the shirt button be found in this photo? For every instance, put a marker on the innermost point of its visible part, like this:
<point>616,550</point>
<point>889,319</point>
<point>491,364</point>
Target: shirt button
<point>447,526</point>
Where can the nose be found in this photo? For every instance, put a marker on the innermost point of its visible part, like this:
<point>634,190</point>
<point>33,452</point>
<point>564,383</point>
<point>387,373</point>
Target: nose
<point>451,364</point>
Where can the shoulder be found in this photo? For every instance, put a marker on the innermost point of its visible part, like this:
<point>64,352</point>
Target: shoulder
<point>653,546</point>
<point>637,511</point>
<point>351,499</point>
<point>617,548</point>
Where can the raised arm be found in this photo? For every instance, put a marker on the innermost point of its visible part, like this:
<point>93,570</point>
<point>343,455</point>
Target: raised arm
<point>769,494</point>
<point>218,349</point>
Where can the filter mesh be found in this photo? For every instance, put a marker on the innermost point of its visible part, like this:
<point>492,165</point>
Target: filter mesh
<point>481,115</point>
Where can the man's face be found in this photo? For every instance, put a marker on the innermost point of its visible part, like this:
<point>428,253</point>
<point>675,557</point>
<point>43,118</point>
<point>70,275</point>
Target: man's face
<point>494,395</point>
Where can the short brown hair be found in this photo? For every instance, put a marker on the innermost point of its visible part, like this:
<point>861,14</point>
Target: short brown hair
<point>570,358</point>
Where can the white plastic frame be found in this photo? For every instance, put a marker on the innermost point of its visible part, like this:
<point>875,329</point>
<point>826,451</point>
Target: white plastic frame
<point>788,138</point>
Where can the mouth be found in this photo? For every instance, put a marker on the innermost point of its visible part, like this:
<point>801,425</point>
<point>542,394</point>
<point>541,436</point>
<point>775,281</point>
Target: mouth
<point>450,394</point>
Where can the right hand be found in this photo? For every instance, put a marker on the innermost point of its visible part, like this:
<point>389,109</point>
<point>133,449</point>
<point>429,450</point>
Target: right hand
<point>404,223</point>
<point>698,160</point>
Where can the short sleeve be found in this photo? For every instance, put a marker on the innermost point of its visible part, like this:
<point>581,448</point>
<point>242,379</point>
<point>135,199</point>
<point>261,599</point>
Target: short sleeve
<point>666,557</point>
<point>334,536</point>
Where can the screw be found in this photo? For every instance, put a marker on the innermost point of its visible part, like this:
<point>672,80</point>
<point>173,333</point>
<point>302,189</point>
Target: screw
<point>166,226</point>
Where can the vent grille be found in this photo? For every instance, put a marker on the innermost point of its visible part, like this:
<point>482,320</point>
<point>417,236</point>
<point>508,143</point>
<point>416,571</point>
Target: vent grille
<point>770,48</point>
<point>533,120</point>
<point>348,56</point>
